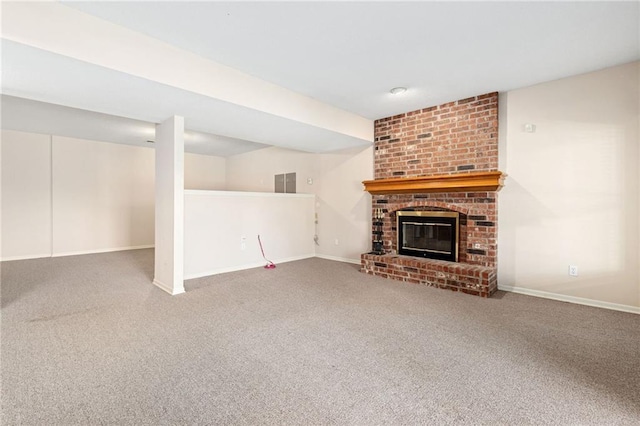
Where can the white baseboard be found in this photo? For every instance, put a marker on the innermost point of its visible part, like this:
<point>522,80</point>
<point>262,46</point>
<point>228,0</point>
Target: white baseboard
<point>571,299</point>
<point>74,253</point>
<point>243,267</point>
<point>31,256</point>
<point>105,250</point>
<point>339,259</point>
<point>166,288</point>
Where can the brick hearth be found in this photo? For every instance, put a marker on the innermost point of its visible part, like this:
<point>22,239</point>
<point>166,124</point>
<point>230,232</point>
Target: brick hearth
<point>450,139</point>
<point>471,279</point>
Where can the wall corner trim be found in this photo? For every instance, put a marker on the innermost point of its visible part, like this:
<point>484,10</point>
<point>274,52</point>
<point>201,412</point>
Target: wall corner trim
<point>571,299</point>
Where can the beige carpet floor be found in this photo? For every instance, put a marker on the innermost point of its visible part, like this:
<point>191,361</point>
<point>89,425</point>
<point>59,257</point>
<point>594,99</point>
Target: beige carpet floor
<point>87,340</point>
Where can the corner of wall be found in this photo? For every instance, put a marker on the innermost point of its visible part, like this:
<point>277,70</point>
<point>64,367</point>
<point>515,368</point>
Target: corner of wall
<point>503,117</point>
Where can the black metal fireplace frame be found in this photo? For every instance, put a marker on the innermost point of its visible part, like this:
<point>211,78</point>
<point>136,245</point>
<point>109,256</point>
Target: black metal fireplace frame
<point>451,218</point>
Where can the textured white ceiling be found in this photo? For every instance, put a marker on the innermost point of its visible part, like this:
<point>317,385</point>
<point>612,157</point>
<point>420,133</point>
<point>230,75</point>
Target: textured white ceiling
<point>40,117</point>
<point>81,85</point>
<point>345,54</point>
<point>349,54</point>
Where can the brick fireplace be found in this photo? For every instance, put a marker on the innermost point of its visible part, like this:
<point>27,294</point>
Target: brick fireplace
<point>442,158</point>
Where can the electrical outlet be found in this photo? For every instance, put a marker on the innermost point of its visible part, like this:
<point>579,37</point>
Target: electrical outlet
<point>477,246</point>
<point>243,243</point>
<point>336,242</point>
<point>573,270</point>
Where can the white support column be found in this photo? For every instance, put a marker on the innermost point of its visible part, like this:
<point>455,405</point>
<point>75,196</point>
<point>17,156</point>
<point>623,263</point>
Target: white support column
<point>169,235</point>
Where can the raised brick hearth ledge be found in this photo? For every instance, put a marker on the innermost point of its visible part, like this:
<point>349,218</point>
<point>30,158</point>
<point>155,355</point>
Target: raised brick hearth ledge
<point>470,279</point>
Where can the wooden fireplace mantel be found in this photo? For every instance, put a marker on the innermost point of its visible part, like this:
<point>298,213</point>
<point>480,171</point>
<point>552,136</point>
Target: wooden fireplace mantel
<point>459,182</point>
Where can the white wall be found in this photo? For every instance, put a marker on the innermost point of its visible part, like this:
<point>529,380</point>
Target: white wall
<point>216,222</point>
<point>26,195</point>
<point>344,208</point>
<point>572,192</point>
<point>204,172</point>
<point>103,196</point>
<point>1,197</point>
<point>255,170</point>
<point>169,206</point>
<point>83,196</point>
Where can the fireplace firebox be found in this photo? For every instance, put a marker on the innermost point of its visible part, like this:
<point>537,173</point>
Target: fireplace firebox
<point>429,234</point>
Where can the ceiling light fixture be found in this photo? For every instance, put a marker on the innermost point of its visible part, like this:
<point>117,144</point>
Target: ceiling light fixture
<point>397,90</point>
